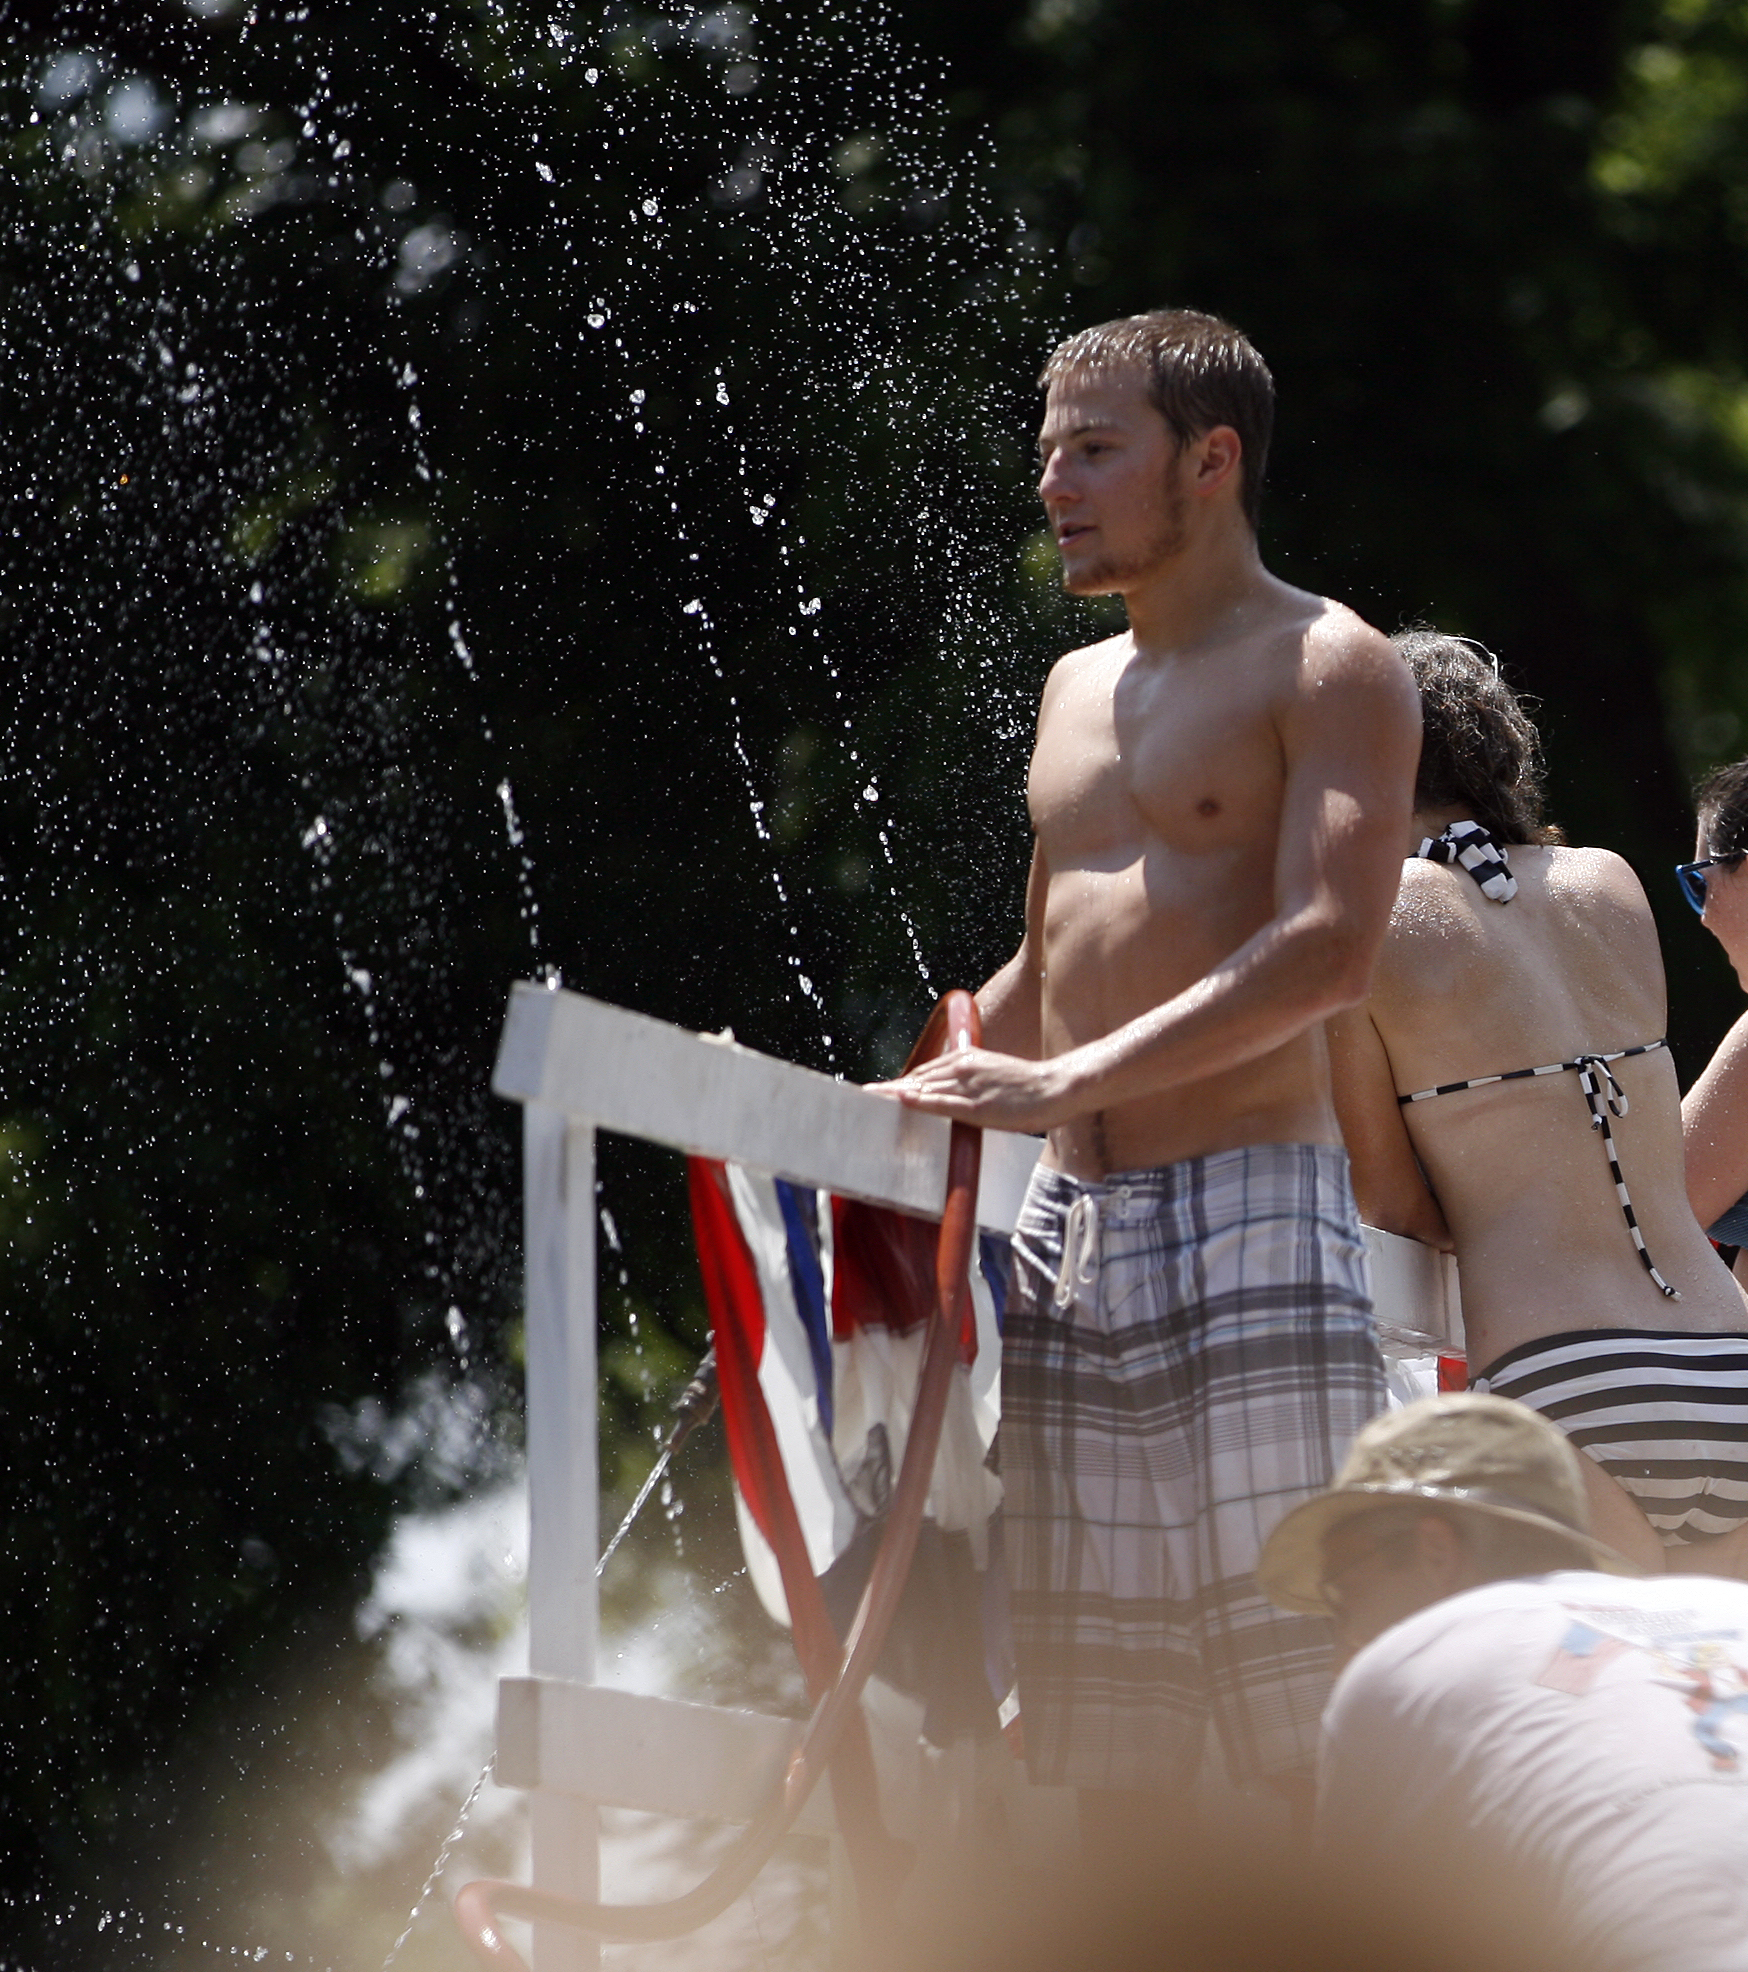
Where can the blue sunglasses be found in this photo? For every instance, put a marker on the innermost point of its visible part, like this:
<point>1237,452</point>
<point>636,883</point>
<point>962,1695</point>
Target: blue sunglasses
<point>1692,876</point>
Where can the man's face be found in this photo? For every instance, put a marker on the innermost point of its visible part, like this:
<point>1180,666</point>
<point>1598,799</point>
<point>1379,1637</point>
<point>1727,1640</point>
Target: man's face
<point>1375,1576</point>
<point>1111,482</point>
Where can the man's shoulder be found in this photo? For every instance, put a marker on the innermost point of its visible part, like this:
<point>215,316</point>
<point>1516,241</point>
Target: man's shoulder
<point>1084,655</point>
<point>1338,642</point>
<point>1407,1643</point>
<point>1571,1588</point>
<point>1073,665</point>
<point>1668,1604</point>
<point>1316,644</point>
<point>1340,676</point>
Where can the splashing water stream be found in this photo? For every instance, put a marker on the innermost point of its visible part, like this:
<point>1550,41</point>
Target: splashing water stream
<point>807,570</point>
<point>441,1863</point>
<point>657,1472</point>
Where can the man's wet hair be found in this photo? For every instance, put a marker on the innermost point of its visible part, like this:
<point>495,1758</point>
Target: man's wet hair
<point>1721,803</point>
<point>1479,750</point>
<point>1200,371</point>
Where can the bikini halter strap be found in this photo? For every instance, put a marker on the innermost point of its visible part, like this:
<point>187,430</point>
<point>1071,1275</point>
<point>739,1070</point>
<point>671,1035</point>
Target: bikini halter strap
<point>1478,851</point>
<point>1604,1096</point>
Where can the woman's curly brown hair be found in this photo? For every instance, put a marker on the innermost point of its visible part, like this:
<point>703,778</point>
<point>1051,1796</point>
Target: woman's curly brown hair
<point>1480,750</point>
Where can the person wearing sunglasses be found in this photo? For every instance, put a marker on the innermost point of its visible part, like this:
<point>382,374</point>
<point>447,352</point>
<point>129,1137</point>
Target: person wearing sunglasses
<point>1506,1093</point>
<point>1714,1114</point>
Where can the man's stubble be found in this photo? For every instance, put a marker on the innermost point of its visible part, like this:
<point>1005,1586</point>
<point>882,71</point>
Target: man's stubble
<point>1165,544</point>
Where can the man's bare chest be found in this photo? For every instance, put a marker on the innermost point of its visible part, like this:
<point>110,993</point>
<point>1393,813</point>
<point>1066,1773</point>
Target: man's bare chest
<point>1118,772</point>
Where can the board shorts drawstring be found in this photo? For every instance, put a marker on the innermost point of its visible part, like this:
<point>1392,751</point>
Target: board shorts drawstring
<point>1080,1251</point>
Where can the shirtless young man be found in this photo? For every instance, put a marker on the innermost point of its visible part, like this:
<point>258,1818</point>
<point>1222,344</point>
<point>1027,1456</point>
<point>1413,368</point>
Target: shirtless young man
<point>1219,797</point>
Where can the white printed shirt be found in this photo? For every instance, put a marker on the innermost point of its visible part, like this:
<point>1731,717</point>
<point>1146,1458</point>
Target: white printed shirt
<point>1592,1727</point>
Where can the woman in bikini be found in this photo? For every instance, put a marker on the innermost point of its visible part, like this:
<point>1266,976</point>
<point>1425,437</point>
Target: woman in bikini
<point>1506,1093</point>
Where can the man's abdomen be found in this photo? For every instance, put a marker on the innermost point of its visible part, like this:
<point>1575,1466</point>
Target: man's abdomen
<point>1118,943</point>
<point>1281,1098</point>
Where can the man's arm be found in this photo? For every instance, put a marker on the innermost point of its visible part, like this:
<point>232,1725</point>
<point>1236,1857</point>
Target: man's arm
<point>1388,1183</point>
<point>1350,740</point>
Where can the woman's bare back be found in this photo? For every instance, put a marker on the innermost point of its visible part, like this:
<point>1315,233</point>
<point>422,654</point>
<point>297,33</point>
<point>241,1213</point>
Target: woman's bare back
<point>1466,988</point>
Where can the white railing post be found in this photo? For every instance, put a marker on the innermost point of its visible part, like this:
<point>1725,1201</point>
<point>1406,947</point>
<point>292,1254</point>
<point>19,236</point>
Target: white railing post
<point>564,1519</point>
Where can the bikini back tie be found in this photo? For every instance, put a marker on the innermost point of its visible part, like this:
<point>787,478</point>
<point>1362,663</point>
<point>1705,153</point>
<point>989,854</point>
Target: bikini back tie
<point>1604,1096</point>
<point>1477,850</point>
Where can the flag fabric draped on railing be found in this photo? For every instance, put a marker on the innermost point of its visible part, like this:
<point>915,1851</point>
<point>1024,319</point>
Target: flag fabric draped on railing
<point>824,1303</point>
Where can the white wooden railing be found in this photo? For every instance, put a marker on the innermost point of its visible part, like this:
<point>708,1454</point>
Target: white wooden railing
<point>577,1065</point>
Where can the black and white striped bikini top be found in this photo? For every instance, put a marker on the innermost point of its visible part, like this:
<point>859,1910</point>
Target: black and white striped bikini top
<point>1474,849</point>
<point>1486,859</point>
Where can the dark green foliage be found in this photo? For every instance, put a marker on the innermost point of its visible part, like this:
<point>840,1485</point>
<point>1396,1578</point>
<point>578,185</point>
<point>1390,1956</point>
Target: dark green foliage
<point>214,1249</point>
<point>359,478</point>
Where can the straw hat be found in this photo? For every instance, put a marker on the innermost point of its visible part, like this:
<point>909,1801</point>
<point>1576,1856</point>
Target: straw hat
<point>1465,1453</point>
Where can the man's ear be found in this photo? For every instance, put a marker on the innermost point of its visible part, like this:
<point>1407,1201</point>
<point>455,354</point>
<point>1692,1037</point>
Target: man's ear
<point>1217,458</point>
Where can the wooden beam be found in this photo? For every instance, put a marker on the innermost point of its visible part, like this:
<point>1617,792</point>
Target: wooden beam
<point>715,1098</point>
<point>1414,1290</point>
<point>558,1202</point>
<point>628,1749</point>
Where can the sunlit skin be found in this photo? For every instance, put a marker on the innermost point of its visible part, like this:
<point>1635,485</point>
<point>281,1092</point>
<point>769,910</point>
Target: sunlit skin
<point>1513,1175</point>
<point>1217,798</point>
<point>1380,1581</point>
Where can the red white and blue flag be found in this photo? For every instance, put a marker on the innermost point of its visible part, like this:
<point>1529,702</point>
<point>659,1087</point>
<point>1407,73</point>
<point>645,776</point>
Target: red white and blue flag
<point>823,1302</point>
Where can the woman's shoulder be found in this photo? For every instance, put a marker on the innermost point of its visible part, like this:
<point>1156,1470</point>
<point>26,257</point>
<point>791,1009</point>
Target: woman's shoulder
<point>1586,865</point>
<point>1442,924</point>
<point>1432,900</point>
<point>1594,877</point>
<point>1435,931</point>
<point>1552,868</point>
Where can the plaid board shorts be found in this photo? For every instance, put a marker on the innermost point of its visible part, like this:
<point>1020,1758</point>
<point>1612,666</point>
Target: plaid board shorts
<point>1188,1352</point>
